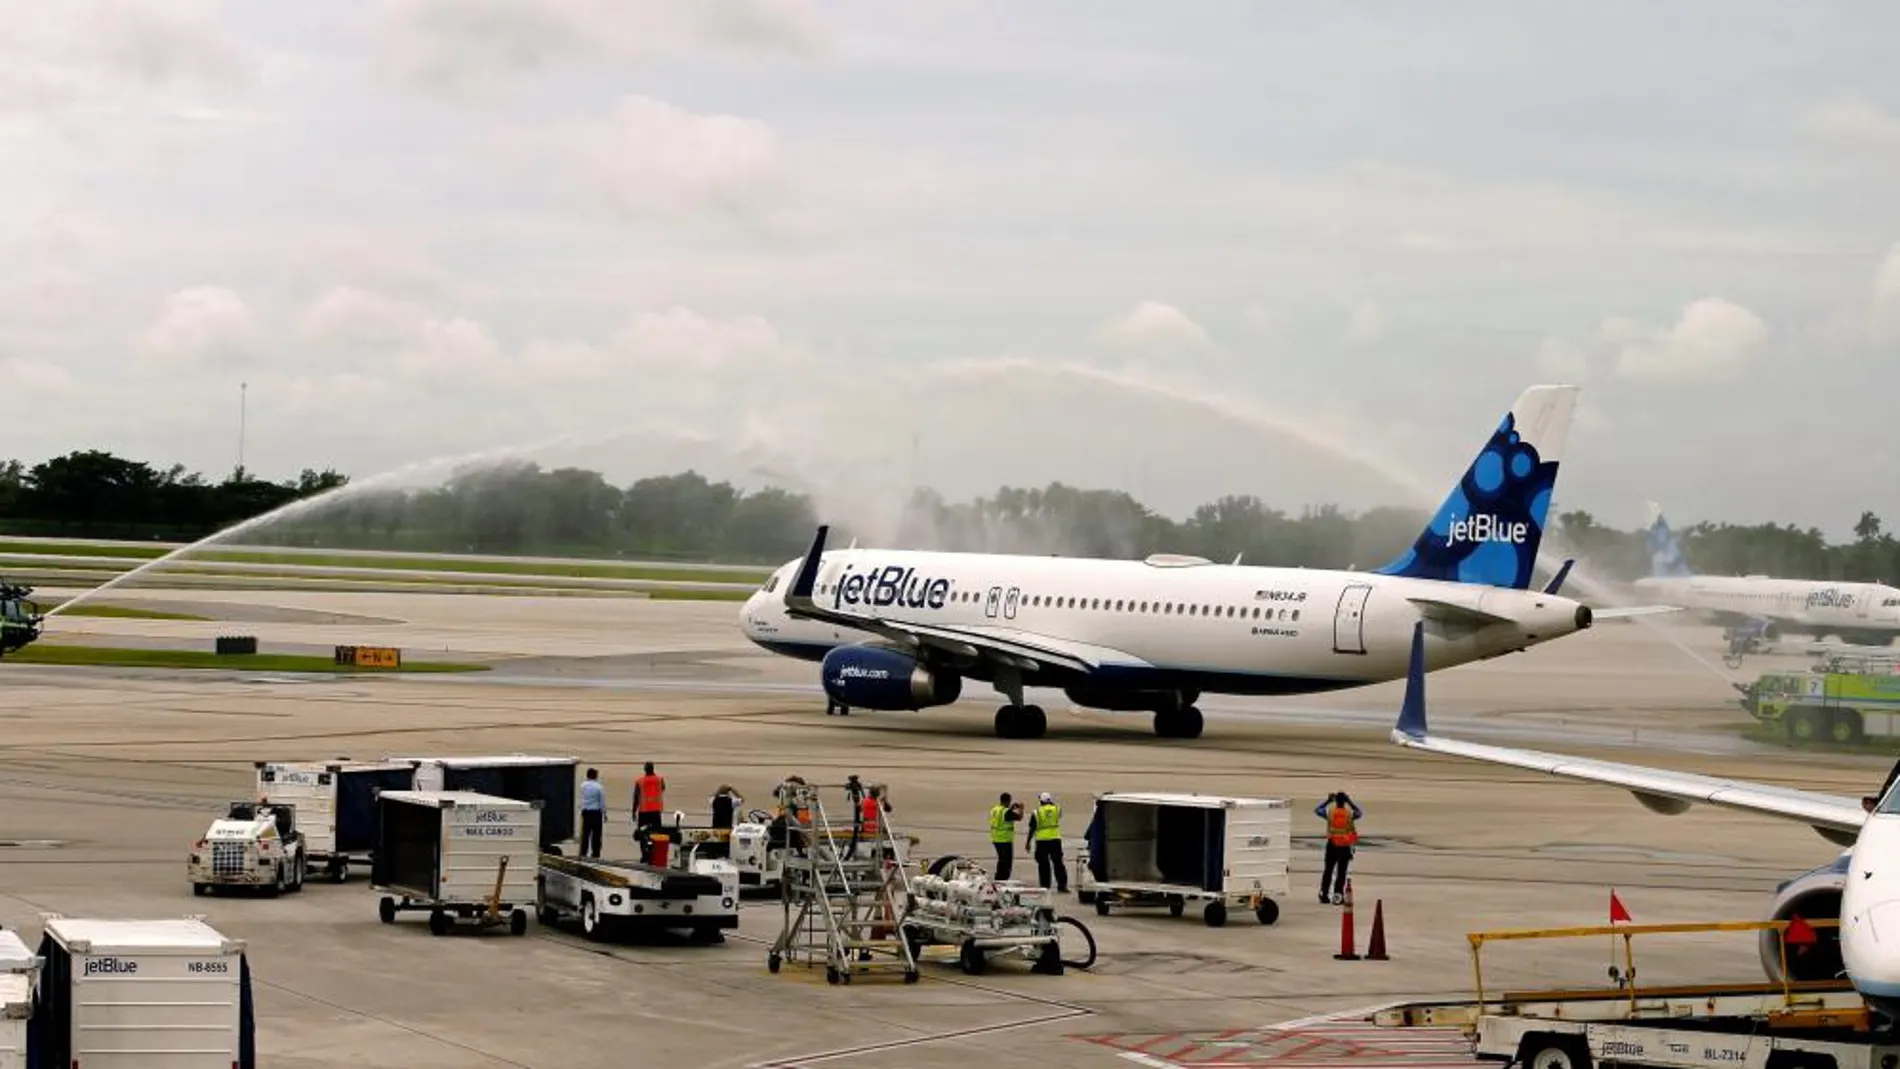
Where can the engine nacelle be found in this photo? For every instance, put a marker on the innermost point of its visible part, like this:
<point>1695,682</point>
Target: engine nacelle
<point>1815,896</point>
<point>878,677</point>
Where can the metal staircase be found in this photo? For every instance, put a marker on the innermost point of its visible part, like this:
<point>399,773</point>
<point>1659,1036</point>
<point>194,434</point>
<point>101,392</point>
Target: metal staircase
<point>843,889</point>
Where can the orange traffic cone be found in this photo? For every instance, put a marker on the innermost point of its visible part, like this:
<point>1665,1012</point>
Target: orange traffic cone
<point>1375,946</point>
<point>1346,952</point>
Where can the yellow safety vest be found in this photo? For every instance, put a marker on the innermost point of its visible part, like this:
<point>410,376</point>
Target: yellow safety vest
<point>1049,821</point>
<point>1000,831</point>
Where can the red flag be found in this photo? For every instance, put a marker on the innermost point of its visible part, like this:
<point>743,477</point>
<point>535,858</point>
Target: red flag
<point>1617,912</point>
<point>1799,933</point>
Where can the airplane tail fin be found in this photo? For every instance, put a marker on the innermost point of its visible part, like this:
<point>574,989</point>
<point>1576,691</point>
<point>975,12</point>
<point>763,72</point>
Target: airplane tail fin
<point>1665,553</point>
<point>1488,530</point>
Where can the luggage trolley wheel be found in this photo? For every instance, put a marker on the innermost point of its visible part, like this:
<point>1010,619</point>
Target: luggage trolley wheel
<point>339,870</point>
<point>1215,914</point>
<point>1267,911</point>
<point>386,909</point>
<point>439,922</point>
<point>518,922</point>
<point>1177,905</point>
<point>833,975</point>
<point>772,962</point>
<point>971,958</point>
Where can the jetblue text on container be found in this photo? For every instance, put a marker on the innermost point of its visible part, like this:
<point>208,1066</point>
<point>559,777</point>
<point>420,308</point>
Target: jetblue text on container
<point>109,967</point>
<point>890,585</point>
<point>1485,527</point>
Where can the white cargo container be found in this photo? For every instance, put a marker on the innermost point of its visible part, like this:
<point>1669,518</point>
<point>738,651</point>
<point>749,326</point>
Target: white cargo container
<point>143,994</point>
<point>457,854</point>
<point>1149,849</point>
<point>335,803</point>
<point>18,967</point>
<point>552,781</point>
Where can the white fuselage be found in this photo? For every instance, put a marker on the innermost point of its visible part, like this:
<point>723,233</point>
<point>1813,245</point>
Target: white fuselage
<point>1171,622</point>
<point>1870,911</point>
<point>1802,603</point>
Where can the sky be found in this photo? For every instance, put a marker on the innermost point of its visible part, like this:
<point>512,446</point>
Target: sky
<point>1304,252</point>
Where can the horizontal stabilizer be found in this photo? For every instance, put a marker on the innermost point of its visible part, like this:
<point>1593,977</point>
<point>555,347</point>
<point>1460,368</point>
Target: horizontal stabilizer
<point>1446,612</point>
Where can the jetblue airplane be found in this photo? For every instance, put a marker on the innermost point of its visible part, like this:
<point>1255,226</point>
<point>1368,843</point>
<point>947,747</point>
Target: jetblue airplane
<point>1860,613</point>
<point>1860,888</point>
<point>901,630</point>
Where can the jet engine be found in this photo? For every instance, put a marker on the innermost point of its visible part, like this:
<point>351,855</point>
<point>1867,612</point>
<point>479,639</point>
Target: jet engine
<point>1814,896</point>
<point>878,677</point>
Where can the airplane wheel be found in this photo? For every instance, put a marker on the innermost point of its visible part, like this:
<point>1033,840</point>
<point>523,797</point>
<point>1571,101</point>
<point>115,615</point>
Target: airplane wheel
<point>1008,723</point>
<point>1033,722</point>
<point>1190,724</point>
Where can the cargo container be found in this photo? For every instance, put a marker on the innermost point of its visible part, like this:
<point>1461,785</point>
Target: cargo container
<point>458,855</point>
<point>336,805</point>
<point>552,781</point>
<point>1149,849</point>
<point>142,994</point>
<point>18,970</point>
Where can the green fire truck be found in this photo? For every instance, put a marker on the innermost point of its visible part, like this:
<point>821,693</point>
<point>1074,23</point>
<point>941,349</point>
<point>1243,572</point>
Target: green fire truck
<point>19,618</point>
<point>1843,699</point>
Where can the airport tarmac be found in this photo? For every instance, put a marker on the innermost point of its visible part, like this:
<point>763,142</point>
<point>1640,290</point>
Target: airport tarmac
<point>106,777</point>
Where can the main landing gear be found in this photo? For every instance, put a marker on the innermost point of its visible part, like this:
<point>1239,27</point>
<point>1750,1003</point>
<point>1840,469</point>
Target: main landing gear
<point>1182,723</point>
<point>1021,722</point>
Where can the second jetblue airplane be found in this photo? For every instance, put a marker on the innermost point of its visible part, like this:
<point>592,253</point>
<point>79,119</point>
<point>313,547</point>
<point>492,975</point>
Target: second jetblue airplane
<point>901,630</point>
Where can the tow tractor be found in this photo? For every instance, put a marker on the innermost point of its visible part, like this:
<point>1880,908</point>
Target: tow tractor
<point>956,903</point>
<point>253,845</point>
<point>1789,1024</point>
<point>20,619</point>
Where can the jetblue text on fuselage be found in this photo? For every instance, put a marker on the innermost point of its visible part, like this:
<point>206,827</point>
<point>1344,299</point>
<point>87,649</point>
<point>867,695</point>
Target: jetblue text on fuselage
<point>1830,599</point>
<point>1484,527</point>
<point>890,585</point>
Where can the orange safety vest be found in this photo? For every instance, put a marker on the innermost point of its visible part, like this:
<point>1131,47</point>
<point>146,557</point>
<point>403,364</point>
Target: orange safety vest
<point>867,815</point>
<point>652,793</point>
<point>1340,830</point>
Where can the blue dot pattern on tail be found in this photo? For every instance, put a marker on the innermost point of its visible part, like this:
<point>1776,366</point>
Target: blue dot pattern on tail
<point>1489,528</point>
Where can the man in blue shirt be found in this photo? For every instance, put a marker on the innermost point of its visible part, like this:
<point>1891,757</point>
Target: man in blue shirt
<point>593,813</point>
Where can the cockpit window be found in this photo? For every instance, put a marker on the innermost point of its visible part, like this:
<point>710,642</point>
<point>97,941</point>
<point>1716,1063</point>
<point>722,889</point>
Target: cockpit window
<point>772,583</point>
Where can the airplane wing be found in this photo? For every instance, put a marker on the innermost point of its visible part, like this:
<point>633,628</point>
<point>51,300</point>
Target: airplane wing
<point>1836,818</point>
<point>1004,645</point>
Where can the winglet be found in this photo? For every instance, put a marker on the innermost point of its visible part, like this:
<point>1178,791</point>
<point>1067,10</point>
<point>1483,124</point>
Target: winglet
<point>807,579</point>
<point>1563,573</point>
<point>1412,712</point>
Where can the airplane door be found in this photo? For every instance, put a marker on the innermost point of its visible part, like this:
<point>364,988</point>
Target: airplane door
<point>993,602</point>
<point>1349,622</point>
<point>1009,602</point>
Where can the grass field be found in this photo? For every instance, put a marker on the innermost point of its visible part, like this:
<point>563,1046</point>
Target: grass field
<point>113,657</point>
<point>135,554</point>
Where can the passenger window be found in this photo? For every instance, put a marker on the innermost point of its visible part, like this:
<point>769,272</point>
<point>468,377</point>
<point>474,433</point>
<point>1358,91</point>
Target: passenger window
<point>1296,616</point>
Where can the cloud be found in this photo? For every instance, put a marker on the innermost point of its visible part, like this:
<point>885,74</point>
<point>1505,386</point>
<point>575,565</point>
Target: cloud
<point>1711,337</point>
<point>458,350</point>
<point>1367,324</point>
<point>1884,316</point>
<point>651,159</point>
<point>1560,359</point>
<point>681,337</point>
<point>1152,323</point>
<point>348,314</point>
<point>1855,121</point>
<point>31,382</point>
<point>59,56</point>
<point>465,43</point>
<point>203,323</point>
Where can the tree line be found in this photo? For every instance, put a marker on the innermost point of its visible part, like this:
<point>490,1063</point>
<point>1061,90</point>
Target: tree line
<point>519,507</point>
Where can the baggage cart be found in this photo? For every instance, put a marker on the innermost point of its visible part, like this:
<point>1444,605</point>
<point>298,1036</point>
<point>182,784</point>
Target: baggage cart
<point>18,969</point>
<point>336,805</point>
<point>1155,849</point>
<point>610,897</point>
<point>142,994</point>
<point>959,905</point>
<point>552,781</point>
<point>458,855</point>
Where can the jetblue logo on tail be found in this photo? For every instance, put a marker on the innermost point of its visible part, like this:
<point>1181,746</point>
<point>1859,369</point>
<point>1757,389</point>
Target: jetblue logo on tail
<point>1485,527</point>
<point>1488,529</point>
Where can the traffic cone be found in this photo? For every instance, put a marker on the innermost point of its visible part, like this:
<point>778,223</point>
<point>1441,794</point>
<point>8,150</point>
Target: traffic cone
<point>1375,946</point>
<point>1346,952</point>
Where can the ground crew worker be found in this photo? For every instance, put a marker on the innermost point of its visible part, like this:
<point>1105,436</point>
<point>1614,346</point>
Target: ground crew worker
<point>1342,816</point>
<point>1045,832</point>
<point>1002,836</point>
<point>593,813</point>
<point>649,798</point>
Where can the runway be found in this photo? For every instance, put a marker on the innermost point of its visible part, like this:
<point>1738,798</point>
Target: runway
<point>107,776</point>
